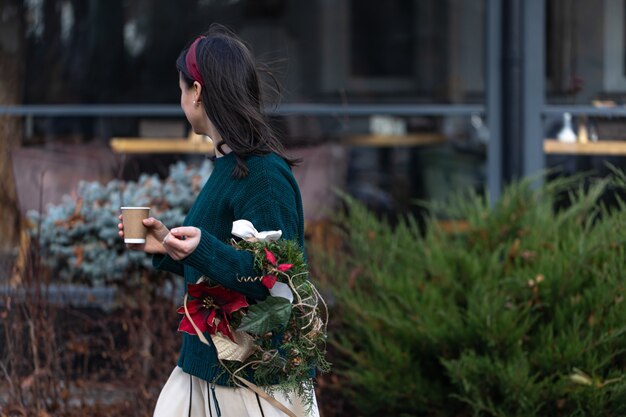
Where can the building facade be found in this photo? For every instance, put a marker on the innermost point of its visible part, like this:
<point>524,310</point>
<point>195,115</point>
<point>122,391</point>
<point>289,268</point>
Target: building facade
<point>423,96</point>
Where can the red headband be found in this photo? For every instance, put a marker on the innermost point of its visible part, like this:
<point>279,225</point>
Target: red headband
<point>192,63</point>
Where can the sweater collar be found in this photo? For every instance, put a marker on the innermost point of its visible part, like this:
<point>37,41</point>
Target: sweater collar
<point>225,160</point>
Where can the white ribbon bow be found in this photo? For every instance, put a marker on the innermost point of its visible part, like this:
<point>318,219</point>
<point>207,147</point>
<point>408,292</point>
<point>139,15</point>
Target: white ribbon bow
<point>245,230</point>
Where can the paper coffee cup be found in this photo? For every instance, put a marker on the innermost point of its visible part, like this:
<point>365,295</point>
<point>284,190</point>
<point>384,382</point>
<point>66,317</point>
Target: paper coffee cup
<point>134,230</point>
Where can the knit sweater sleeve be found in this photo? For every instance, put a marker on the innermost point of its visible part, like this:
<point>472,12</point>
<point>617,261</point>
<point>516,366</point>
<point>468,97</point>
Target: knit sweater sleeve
<point>226,265</point>
<point>165,263</point>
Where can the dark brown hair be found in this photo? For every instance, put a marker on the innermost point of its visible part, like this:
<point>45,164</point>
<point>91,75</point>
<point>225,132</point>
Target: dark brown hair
<point>231,96</point>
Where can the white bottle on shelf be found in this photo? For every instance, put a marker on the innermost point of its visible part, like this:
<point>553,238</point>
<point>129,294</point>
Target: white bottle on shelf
<point>567,134</point>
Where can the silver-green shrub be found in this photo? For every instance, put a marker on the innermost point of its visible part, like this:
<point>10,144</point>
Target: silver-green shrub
<point>78,238</point>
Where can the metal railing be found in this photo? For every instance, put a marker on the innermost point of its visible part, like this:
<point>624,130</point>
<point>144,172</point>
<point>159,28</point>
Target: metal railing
<point>31,111</point>
<point>313,109</point>
<point>617,111</point>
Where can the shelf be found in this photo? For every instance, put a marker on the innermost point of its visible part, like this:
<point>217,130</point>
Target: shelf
<point>197,145</point>
<point>602,147</point>
<point>158,145</point>
<point>414,139</point>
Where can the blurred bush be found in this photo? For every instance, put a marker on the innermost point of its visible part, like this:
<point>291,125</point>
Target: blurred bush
<point>78,238</point>
<point>512,310</point>
<point>74,356</point>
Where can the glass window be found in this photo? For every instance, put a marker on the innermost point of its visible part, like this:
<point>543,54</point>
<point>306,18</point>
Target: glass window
<point>387,53</point>
<point>585,52</point>
<point>585,65</point>
<point>123,51</point>
<point>323,51</point>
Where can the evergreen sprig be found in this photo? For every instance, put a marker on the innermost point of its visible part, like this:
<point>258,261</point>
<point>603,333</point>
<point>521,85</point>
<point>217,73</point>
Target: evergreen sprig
<point>519,311</point>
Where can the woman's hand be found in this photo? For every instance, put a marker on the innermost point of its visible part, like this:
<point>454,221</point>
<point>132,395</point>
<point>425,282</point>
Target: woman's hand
<point>154,238</point>
<point>181,242</point>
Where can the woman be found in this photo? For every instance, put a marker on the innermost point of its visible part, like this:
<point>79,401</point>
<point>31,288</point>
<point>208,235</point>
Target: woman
<point>251,180</point>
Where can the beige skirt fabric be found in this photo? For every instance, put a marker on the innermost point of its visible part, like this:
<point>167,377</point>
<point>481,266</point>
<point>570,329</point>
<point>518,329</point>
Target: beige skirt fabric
<point>185,395</point>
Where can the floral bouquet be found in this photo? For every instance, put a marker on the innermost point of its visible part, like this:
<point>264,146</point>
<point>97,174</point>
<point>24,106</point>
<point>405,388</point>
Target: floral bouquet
<point>280,340</point>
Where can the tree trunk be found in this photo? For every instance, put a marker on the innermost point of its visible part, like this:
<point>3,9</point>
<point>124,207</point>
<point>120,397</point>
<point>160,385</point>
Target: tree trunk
<point>11,53</point>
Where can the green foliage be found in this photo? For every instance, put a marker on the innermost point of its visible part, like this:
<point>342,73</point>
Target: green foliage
<point>518,312</point>
<point>270,315</point>
<point>78,238</point>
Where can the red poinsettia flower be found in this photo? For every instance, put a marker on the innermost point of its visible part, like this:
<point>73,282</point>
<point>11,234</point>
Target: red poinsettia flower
<point>269,280</point>
<point>210,309</point>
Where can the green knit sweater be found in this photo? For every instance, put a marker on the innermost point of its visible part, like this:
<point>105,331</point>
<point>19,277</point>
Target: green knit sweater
<point>268,197</point>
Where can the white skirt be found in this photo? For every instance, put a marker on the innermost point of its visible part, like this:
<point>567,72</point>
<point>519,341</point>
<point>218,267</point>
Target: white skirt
<point>185,395</point>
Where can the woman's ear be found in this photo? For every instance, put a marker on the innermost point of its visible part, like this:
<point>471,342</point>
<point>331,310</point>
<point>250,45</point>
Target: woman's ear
<point>197,92</point>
